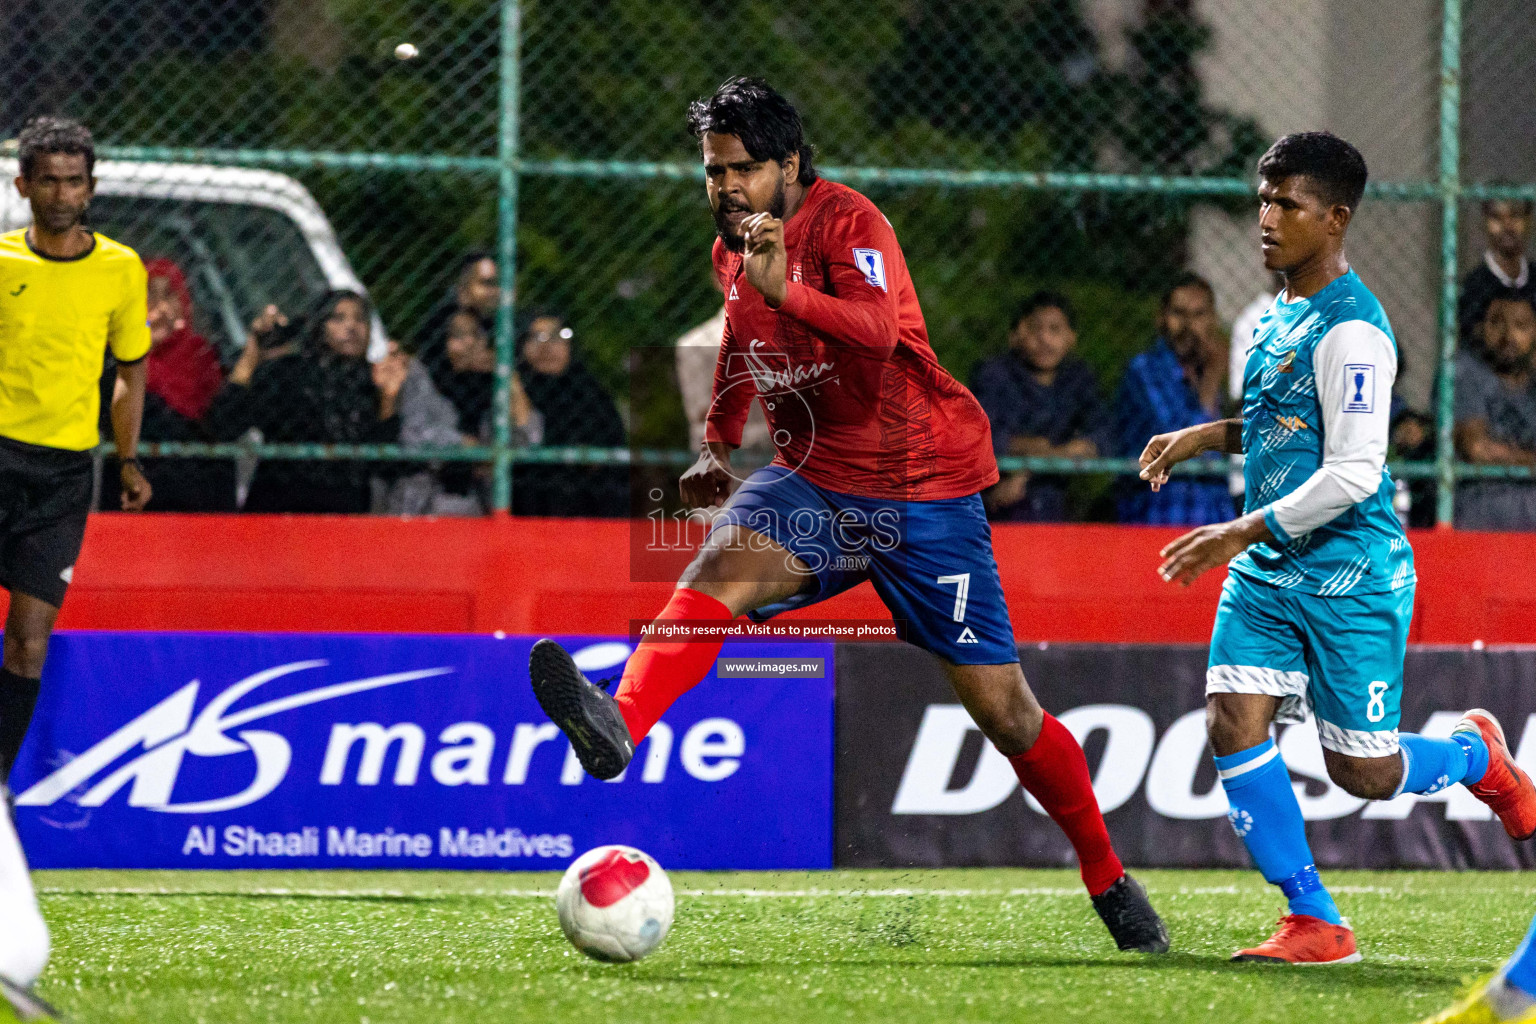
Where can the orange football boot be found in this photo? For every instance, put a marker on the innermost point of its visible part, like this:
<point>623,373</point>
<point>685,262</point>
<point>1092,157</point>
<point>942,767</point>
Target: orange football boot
<point>1505,787</point>
<point>1302,939</point>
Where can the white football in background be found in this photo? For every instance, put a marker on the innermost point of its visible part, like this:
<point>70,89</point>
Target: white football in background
<point>615,904</point>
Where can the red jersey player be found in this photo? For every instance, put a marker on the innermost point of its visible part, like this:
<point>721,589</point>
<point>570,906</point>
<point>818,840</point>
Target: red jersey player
<point>880,458</point>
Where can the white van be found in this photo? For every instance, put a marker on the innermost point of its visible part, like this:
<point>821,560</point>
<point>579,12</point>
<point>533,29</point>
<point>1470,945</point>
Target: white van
<point>243,238</point>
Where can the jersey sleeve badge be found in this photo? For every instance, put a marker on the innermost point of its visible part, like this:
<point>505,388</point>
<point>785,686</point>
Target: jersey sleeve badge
<point>872,262</point>
<point>1359,387</point>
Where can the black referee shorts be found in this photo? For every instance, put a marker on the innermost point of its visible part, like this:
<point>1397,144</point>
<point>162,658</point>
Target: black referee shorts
<point>45,495</point>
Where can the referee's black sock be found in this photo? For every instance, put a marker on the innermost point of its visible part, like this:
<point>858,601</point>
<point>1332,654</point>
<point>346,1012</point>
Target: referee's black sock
<point>18,699</point>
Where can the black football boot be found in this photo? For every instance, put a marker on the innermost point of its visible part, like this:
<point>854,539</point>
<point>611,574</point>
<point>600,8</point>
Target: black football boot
<point>584,711</point>
<point>1128,914</point>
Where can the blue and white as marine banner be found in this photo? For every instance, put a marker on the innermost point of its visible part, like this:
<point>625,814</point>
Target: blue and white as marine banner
<point>158,750</point>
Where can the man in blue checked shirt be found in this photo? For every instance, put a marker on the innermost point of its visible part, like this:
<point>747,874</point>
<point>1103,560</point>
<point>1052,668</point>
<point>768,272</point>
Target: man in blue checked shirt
<point>1177,383</point>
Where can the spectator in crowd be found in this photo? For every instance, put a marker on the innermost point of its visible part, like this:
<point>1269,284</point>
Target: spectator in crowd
<point>310,382</point>
<point>1413,433</point>
<point>472,361</point>
<point>576,410</point>
<point>183,377</point>
<point>471,384</point>
<point>1507,226</point>
<point>697,353</point>
<point>428,417</point>
<point>476,289</point>
<point>1412,439</point>
<point>469,373</point>
<point>1042,400</point>
<point>1496,415</point>
<point>1176,383</point>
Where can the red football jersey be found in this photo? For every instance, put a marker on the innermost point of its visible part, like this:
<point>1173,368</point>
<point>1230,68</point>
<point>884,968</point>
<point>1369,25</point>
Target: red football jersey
<point>854,396</point>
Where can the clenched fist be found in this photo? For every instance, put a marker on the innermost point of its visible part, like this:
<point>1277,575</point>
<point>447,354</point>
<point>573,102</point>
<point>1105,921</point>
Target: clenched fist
<point>766,264</point>
<point>707,484</point>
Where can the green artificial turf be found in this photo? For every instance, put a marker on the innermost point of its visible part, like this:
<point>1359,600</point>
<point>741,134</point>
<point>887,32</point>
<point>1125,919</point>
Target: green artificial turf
<point>798,947</point>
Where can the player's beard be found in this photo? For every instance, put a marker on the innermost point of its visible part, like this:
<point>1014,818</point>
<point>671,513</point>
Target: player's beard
<point>734,241</point>
<point>1185,345</point>
<point>1506,362</point>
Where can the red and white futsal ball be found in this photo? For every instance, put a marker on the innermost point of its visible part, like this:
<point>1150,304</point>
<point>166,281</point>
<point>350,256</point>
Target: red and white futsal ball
<point>615,904</point>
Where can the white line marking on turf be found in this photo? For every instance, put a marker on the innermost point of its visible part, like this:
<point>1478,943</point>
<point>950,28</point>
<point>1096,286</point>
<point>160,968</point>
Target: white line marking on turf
<point>298,893</point>
<point>1042,891</point>
<point>549,893</point>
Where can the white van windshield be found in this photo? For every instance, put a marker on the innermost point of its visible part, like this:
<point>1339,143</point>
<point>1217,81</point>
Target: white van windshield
<point>236,258</point>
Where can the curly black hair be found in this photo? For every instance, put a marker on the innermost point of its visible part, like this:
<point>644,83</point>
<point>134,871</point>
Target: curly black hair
<point>1335,168</point>
<point>767,124</point>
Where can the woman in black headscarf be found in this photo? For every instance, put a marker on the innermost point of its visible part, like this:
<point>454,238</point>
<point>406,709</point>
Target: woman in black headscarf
<point>475,290</point>
<point>576,410</point>
<point>312,382</point>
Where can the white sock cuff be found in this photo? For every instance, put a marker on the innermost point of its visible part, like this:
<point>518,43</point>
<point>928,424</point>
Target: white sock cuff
<point>1228,774</point>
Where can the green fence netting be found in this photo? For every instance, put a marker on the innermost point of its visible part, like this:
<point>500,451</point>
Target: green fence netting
<point>522,171</point>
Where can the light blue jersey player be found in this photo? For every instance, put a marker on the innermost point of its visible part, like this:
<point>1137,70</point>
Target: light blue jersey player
<point>1314,615</point>
<point>1316,398</point>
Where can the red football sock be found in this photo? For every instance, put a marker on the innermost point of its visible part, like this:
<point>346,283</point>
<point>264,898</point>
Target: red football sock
<point>1055,772</point>
<point>662,670</point>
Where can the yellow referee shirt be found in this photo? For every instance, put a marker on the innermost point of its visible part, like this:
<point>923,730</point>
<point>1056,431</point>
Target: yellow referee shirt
<point>57,320</point>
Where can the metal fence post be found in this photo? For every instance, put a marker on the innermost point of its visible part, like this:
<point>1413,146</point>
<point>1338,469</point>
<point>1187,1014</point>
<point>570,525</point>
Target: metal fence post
<point>506,246</point>
<point>1450,196</point>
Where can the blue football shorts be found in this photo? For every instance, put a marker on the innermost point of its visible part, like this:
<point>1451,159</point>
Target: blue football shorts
<point>931,562</point>
<point>1341,658</point>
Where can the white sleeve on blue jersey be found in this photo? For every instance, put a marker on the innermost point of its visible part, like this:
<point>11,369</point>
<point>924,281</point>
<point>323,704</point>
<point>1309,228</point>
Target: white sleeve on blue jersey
<point>1355,366</point>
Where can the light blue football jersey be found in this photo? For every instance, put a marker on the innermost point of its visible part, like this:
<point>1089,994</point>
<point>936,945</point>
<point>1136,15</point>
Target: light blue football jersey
<point>1364,549</point>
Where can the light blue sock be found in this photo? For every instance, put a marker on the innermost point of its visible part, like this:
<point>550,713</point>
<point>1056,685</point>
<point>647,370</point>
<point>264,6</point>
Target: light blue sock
<point>1521,969</point>
<point>1267,817</point>
<point>1431,765</point>
<point>1477,756</point>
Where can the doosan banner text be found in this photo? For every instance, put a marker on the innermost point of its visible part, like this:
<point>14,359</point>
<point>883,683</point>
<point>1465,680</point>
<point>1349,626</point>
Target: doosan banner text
<point>917,785</point>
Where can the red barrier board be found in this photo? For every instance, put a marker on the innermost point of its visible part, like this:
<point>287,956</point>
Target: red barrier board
<point>366,574</point>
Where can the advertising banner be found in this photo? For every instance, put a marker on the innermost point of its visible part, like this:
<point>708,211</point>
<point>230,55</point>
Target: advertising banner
<point>162,750</point>
<point>917,786</point>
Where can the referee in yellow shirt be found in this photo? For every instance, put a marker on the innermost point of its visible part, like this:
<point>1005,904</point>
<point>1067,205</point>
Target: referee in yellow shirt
<point>67,296</point>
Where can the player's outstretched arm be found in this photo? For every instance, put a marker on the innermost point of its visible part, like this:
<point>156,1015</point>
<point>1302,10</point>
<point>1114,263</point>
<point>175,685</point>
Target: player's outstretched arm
<point>1165,451</point>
